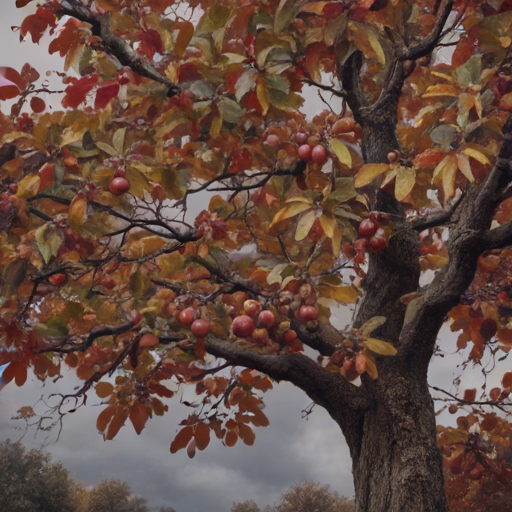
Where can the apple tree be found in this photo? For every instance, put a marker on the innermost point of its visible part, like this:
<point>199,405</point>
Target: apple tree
<point>406,175</point>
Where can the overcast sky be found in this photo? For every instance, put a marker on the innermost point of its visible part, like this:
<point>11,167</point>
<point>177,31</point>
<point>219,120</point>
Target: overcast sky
<point>291,449</point>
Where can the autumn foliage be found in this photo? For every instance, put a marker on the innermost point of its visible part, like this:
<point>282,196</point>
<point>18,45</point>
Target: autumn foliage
<point>165,103</point>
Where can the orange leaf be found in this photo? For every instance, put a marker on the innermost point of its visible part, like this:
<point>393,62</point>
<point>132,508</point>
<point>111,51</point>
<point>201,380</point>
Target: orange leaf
<point>231,438</point>
<point>182,439</point>
<point>202,436</point>
<point>117,422</point>
<point>138,417</point>
<point>104,417</point>
<point>360,363</point>
<point>184,37</point>
<point>506,380</point>
<point>246,433</point>
<point>104,389</point>
<point>506,101</point>
<point>470,395</point>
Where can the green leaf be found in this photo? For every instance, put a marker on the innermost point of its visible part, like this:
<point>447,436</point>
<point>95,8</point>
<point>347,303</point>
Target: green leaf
<point>118,140</point>
<point>279,83</point>
<point>344,190</point>
<point>285,13</point>
<point>230,110</point>
<point>469,72</point>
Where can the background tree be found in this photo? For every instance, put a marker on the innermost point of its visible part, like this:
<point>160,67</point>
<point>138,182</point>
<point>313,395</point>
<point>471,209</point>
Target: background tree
<point>30,480</point>
<point>245,506</point>
<point>112,494</point>
<point>103,268</point>
<point>167,509</point>
<point>302,497</point>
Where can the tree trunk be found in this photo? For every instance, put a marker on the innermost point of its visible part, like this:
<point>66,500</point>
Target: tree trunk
<point>397,464</point>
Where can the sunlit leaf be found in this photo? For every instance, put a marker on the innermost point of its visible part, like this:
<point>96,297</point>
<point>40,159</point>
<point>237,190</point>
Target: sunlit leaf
<point>341,151</point>
<point>368,173</point>
<point>405,180</point>
<point>380,347</point>
<point>304,225</point>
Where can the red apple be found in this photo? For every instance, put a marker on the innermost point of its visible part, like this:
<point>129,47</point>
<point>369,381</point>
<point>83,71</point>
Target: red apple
<point>378,243</point>
<point>200,328</point>
<point>267,319</point>
<point>367,228</point>
<point>290,336</point>
<point>187,316</point>
<point>301,137</point>
<point>119,186</point>
<point>319,155</point>
<point>305,152</point>
<point>243,326</point>
<point>58,279</point>
<point>392,157</point>
<point>308,313</point>
<point>252,307</point>
<point>273,141</point>
<point>149,341</point>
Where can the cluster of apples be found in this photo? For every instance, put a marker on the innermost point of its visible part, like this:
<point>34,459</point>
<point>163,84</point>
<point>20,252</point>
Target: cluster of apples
<point>310,149</point>
<point>372,237</point>
<point>198,326</point>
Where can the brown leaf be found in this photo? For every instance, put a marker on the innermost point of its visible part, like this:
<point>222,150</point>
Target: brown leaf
<point>104,417</point>
<point>138,417</point>
<point>104,389</point>
<point>202,436</point>
<point>182,439</point>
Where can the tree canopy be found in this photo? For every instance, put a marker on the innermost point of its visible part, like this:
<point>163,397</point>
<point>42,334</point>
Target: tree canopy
<point>398,182</point>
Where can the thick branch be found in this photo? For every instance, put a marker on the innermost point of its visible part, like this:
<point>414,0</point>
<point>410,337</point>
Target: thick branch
<point>117,46</point>
<point>438,219</point>
<point>322,386</point>
<point>325,339</point>
<point>499,238</point>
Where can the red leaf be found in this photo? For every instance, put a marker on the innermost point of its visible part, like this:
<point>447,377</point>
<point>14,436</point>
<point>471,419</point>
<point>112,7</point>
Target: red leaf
<point>8,89</point>
<point>105,94</point>
<point>202,436</point>
<point>182,439</point>
<point>68,38</point>
<point>38,105</point>
<point>507,380</point>
<point>150,43</point>
<point>138,417</point>
<point>188,72</point>
<point>470,395</point>
<point>13,76</point>
<point>76,93</point>
<point>29,73</point>
<point>117,422</point>
<point>36,24</point>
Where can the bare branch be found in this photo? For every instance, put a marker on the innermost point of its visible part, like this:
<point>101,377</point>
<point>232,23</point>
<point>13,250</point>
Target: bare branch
<point>438,219</point>
<point>325,339</point>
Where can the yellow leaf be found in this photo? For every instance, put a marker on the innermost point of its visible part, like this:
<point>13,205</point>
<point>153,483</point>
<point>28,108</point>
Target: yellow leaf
<point>405,179</point>
<point>380,347</point>
<point>345,294</point>
<point>336,240</point>
<point>28,186</point>
<point>299,199</point>
<point>465,167</point>
<point>441,90</point>
<point>369,326</point>
<point>262,93</point>
<point>151,244</point>
<point>444,165</point>
<point>377,48</point>
<point>77,212</point>
<point>104,389</point>
<point>449,180</point>
<point>139,183</point>
<point>216,127</point>
<point>289,212</point>
<point>442,75</point>
<point>118,140</point>
<point>315,7</point>
<point>184,37</point>
<point>368,173</point>
<point>341,151</point>
<point>477,155</point>
<point>328,223</point>
<point>371,367</point>
<point>304,225</point>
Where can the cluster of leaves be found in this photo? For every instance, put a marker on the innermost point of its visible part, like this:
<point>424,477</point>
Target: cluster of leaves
<point>179,106</point>
<point>478,461</point>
